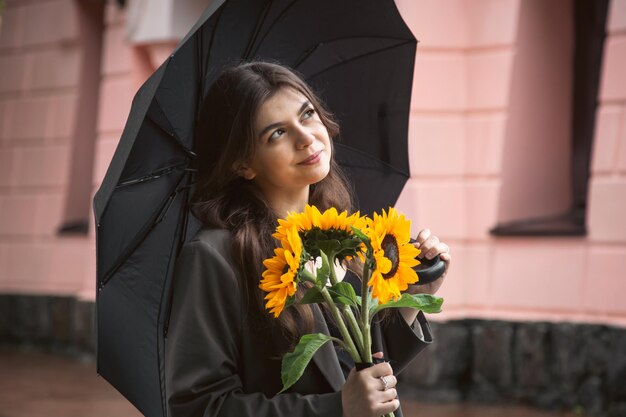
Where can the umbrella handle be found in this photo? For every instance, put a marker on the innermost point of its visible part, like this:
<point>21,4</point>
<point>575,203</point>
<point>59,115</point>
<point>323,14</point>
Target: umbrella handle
<point>433,269</point>
<point>429,270</point>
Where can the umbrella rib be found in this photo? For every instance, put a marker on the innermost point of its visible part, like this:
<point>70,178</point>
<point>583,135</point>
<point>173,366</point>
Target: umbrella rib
<point>257,29</point>
<point>200,69</point>
<point>141,236</point>
<point>310,51</point>
<point>165,307</point>
<point>175,137</point>
<point>151,176</point>
<point>282,13</point>
<point>368,156</point>
<point>358,57</point>
<point>208,56</point>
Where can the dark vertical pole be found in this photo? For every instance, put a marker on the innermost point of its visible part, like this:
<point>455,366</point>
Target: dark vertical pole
<point>590,31</point>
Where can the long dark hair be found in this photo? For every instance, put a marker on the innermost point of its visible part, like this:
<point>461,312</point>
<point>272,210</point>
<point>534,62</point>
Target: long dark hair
<point>223,199</point>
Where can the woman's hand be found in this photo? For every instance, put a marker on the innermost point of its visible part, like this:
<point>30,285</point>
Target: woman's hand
<point>364,394</point>
<point>431,247</point>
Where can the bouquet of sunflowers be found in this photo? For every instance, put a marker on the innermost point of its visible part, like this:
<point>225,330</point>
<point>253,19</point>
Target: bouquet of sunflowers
<point>382,246</point>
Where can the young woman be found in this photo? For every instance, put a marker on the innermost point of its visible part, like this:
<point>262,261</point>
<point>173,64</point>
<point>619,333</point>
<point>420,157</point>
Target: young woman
<point>264,149</point>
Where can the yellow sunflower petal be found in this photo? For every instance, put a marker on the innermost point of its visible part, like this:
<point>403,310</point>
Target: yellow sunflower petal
<point>279,277</point>
<point>383,264</point>
<point>395,257</point>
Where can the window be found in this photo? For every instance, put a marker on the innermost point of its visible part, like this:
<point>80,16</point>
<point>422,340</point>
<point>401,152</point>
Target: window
<point>552,118</point>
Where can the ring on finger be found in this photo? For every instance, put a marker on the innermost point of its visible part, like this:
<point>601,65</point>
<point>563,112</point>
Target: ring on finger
<point>385,383</point>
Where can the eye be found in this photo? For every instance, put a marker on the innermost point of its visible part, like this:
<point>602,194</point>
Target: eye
<point>275,135</point>
<point>308,113</point>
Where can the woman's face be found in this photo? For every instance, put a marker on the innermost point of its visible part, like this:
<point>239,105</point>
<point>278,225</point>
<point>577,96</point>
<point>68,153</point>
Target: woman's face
<point>293,149</point>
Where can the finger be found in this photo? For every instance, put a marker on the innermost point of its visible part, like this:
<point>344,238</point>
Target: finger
<point>381,397</point>
<point>439,247</point>
<point>446,257</point>
<point>422,236</point>
<point>391,380</point>
<point>428,247</point>
<point>378,355</point>
<point>385,383</point>
<point>381,369</point>
<point>388,407</point>
<point>390,394</point>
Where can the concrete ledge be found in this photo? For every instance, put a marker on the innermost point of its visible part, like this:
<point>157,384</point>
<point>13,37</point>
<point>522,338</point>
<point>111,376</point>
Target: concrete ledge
<point>59,324</point>
<point>555,366</point>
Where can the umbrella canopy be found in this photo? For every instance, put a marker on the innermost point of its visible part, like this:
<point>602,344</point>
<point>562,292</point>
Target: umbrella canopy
<point>357,55</point>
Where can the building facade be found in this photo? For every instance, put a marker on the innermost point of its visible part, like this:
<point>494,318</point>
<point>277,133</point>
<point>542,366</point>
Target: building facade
<point>518,169</point>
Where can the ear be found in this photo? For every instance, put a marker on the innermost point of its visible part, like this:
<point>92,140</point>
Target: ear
<point>244,171</point>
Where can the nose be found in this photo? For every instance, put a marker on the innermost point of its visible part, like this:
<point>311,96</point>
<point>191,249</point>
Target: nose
<point>304,137</point>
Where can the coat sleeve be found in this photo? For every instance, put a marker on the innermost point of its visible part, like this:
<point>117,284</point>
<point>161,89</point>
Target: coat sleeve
<point>400,341</point>
<point>403,342</point>
<point>203,347</point>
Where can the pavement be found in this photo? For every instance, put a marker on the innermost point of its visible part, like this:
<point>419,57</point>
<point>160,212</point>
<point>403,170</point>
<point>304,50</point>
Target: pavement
<point>35,383</point>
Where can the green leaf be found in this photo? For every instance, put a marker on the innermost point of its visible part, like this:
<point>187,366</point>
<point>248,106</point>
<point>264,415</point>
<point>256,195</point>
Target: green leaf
<point>312,295</point>
<point>358,300</point>
<point>343,293</point>
<point>349,247</point>
<point>425,302</point>
<point>329,246</point>
<point>366,241</point>
<point>352,243</point>
<point>324,271</point>
<point>295,362</point>
<point>361,235</point>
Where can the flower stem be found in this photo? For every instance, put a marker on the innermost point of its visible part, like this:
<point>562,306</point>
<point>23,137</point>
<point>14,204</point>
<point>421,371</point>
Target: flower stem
<point>347,311</point>
<point>365,313</point>
<point>347,338</point>
<point>365,316</point>
<point>339,342</point>
<point>307,276</point>
<point>333,273</point>
<point>356,329</point>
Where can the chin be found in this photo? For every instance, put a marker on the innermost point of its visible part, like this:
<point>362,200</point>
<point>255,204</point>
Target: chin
<point>323,173</point>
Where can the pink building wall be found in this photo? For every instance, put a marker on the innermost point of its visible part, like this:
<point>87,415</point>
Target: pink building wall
<point>465,124</point>
<point>40,64</point>
<point>467,132</point>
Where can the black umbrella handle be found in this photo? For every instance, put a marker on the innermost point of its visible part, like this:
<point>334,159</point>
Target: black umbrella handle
<point>433,269</point>
<point>429,270</point>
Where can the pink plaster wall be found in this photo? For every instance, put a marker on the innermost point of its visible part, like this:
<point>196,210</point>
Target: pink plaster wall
<point>535,174</point>
<point>467,117</point>
<point>40,58</point>
<point>474,135</point>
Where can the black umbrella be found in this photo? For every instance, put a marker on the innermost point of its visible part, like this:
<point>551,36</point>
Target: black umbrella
<point>358,55</point>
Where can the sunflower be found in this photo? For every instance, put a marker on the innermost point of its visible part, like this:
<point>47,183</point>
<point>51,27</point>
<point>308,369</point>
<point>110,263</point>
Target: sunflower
<point>312,218</point>
<point>395,257</point>
<point>315,227</point>
<point>280,277</point>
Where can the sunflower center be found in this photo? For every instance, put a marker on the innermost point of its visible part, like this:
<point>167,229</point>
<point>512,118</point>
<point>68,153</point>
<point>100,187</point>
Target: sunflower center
<point>392,252</point>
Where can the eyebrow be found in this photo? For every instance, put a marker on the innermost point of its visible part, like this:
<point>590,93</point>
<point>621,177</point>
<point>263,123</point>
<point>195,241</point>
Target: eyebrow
<point>274,125</point>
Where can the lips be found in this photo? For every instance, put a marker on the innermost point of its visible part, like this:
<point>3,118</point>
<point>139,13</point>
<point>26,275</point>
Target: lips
<point>313,159</point>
